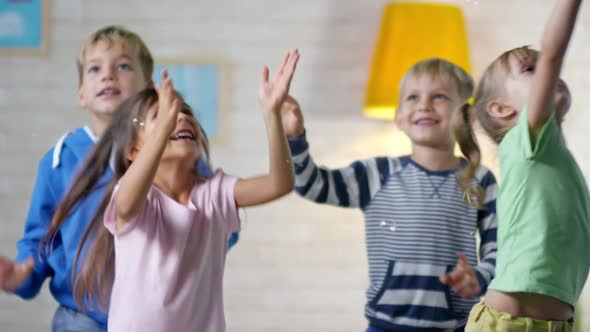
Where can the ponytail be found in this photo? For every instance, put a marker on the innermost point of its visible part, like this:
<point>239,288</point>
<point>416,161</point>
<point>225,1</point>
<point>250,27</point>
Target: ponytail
<point>465,137</point>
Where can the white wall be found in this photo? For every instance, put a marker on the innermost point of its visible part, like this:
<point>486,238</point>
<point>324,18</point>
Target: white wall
<point>298,266</point>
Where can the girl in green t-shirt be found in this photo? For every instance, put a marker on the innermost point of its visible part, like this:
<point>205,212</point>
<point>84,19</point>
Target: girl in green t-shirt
<point>543,203</point>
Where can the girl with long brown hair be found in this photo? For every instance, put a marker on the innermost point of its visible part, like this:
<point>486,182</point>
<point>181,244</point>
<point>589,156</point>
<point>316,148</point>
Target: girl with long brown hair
<point>161,255</point>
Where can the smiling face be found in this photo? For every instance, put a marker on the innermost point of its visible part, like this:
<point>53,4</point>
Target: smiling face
<point>184,144</point>
<point>110,75</point>
<point>425,109</point>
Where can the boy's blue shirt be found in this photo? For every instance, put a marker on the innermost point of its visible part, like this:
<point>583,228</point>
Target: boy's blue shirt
<point>57,169</point>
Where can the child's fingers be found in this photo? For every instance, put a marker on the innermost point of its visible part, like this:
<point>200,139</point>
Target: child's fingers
<point>290,69</point>
<point>6,268</point>
<point>451,278</point>
<point>284,64</point>
<point>168,87</point>
<point>456,276</point>
<point>463,283</point>
<point>167,91</point>
<point>5,264</point>
<point>265,74</point>
<point>462,260</point>
<point>176,105</point>
<point>288,72</point>
<point>445,279</point>
<point>466,287</point>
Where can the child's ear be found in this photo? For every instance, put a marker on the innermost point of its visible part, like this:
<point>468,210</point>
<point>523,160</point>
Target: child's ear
<point>499,110</point>
<point>398,109</point>
<point>133,151</point>
<point>81,97</point>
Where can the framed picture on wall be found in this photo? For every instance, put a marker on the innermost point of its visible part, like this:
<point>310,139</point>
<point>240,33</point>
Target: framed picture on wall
<point>203,83</point>
<point>24,27</point>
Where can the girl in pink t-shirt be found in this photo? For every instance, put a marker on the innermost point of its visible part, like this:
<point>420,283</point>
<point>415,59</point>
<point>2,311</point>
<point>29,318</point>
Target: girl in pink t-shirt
<point>161,255</point>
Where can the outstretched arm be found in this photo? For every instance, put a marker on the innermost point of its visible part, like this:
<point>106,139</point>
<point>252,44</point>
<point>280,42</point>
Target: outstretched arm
<point>556,37</point>
<point>351,186</point>
<point>135,184</point>
<point>280,179</point>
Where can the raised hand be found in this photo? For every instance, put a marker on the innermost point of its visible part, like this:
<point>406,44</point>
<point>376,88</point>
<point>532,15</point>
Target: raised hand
<point>556,37</point>
<point>462,279</point>
<point>292,118</point>
<point>273,92</point>
<point>13,275</point>
<point>168,105</point>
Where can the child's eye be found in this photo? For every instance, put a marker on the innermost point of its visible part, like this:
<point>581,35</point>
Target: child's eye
<point>440,97</point>
<point>412,97</point>
<point>93,69</point>
<point>530,69</point>
<point>124,66</point>
<point>187,111</point>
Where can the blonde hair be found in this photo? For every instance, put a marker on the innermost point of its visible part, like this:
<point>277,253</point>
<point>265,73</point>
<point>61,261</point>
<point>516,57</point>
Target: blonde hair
<point>443,69</point>
<point>464,85</point>
<point>117,34</point>
<point>490,86</point>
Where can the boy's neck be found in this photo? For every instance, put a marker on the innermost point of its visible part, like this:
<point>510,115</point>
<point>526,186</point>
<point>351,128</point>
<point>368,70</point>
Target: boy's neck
<point>435,159</point>
<point>100,125</point>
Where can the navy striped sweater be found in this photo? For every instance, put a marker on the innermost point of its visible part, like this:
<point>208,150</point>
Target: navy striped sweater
<point>416,221</point>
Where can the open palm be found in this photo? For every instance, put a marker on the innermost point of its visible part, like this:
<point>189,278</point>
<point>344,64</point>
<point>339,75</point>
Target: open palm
<point>273,92</point>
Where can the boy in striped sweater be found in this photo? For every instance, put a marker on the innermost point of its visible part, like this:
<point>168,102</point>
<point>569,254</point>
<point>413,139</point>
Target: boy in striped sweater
<point>424,269</point>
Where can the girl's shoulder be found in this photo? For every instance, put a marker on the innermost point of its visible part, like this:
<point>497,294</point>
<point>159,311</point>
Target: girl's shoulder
<point>218,183</point>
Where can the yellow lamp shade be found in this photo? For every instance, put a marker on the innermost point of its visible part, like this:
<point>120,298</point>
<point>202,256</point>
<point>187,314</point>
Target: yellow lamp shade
<point>411,32</point>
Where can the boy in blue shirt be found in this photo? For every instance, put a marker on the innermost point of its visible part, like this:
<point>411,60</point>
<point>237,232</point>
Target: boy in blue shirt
<point>113,64</point>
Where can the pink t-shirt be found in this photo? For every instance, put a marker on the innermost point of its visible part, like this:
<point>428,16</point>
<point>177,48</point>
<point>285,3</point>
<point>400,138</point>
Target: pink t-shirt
<point>169,260</point>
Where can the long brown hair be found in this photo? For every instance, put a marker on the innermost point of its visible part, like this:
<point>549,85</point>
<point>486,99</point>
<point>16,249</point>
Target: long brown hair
<point>489,86</point>
<point>96,249</point>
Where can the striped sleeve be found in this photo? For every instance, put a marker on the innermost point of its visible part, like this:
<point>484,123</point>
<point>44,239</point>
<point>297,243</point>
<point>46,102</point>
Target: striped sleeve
<point>488,226</point>
<point>351,186</point>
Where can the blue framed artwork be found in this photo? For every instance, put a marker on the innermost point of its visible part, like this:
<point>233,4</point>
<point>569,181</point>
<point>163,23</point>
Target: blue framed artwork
<point>202,83</point>
<point>24,27</point>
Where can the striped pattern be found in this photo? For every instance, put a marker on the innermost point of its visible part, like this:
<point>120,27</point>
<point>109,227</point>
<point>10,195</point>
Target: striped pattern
<point>416,221</point>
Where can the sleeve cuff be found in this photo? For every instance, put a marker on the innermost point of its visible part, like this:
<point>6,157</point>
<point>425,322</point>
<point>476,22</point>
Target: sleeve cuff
<point>483,284</point>
<point>298,144</point>
<point>29,289</point>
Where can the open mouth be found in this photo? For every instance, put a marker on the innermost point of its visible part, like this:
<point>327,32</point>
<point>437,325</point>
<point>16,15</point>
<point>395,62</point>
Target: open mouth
<point>426,122</point>
<point>109,92</point>
<point>183,135</point>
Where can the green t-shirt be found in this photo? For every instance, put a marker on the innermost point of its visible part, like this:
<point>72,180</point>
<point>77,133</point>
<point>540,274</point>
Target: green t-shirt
<point>543,215</point>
